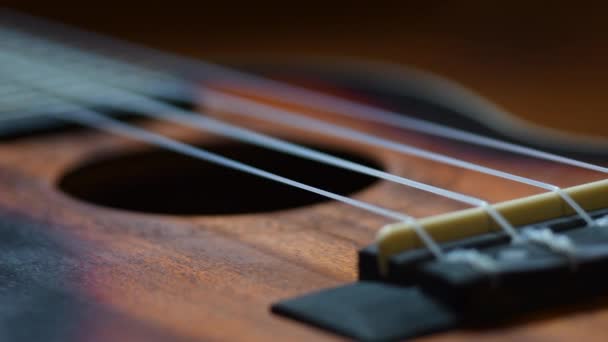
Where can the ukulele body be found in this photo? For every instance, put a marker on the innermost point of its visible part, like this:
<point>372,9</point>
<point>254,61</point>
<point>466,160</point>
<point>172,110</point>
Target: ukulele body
<point>105,238</point>
<point>121,251</point>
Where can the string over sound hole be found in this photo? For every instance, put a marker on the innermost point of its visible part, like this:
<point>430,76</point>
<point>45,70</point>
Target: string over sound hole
<point>158,181</point>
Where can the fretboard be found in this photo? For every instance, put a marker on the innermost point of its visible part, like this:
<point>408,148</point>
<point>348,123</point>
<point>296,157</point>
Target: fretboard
<point>40,74</point>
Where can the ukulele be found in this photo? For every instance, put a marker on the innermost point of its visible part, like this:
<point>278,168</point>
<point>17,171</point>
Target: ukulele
<point>148,196</point>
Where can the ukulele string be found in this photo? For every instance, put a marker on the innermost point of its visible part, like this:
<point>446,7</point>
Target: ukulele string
<point>151,108</point>
<point>172,63</point>
<point>141,104</point>
<point>250,108</point>
<point>350,108</point>
<point>420,231</point>
<point>67,111</point>
<point>567,201</point>
<point>503,223</point>
<point>266,112</point>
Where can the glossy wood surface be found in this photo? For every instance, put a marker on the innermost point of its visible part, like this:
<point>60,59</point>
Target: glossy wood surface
<point>214,277</point>
<point>161,277</point>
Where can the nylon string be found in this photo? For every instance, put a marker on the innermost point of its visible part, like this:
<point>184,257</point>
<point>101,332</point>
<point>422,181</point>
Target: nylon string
<point>148,107</point>
<point>196,67</point>
<point>253,138</point>
<point>403,148</point>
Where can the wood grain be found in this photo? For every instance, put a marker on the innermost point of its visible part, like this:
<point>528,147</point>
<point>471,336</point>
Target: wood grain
<point>160,277</point>
<point>214,277</point>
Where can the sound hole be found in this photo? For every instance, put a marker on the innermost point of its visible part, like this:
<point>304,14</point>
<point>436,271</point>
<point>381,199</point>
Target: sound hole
<point>158,181</point>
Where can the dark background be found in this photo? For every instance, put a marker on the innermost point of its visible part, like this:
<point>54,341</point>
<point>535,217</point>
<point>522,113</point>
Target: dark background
<point>544,61</point>
<point>524,28</point>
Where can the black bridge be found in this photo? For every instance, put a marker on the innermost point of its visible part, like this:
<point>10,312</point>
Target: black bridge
<point>420,294</point>
<point>526,273</point>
